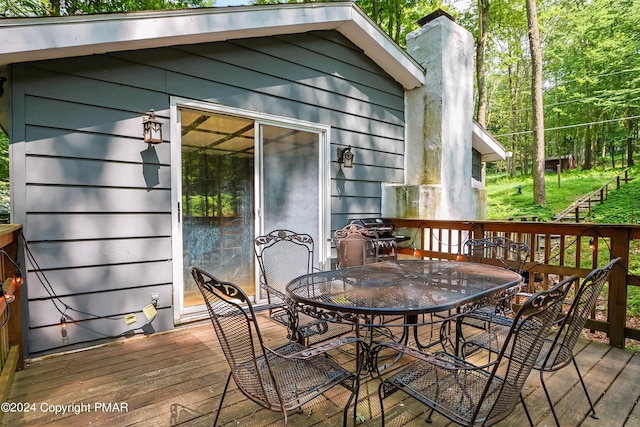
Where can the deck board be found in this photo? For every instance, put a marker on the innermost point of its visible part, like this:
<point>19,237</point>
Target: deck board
<point>612,409</point>
<point>571,405</point>
<point>177,378</point>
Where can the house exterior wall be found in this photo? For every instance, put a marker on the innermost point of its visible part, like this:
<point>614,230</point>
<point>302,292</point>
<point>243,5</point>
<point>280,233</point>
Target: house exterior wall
<point>99,236</point>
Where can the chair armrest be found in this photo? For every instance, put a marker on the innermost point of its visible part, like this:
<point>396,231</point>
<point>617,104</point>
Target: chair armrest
<point>523,294</point>
<point>401,348</point>
<point>441,359</point>
<point>320,348</point>
<point>489,317</point>
<point>529,294</point>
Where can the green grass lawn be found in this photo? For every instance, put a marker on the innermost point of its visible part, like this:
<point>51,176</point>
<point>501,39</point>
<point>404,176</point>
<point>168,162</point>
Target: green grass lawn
<point>505,202</point>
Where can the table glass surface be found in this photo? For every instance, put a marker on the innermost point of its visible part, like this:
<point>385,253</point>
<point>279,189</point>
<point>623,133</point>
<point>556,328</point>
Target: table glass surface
<point>402,286</point>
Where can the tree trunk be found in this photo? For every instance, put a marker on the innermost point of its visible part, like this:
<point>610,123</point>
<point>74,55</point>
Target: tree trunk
<point>483,22</point>
<point>539,190</point>
<point>398,20</point>
<point>54,8</point>
<point>513,122</point>
<point>374,11</point>
<point>588,149</point>
<point>628,124</point>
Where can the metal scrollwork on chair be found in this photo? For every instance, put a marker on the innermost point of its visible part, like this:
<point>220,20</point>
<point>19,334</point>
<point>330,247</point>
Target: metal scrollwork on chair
<point>282,256</point>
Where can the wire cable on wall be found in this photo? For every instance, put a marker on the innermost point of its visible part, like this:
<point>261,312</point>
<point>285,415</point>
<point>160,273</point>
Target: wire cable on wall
<point>58,303</point>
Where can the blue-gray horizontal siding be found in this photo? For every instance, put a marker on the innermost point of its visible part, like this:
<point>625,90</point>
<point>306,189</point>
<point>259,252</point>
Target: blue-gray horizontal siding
<point>97,201</point>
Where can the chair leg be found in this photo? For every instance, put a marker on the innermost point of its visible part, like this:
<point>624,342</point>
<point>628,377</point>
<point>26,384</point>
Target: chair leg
<point>546,392</point>
<point>594,415</point>
<point>526,411</point>
<point>429,420</point>
<point>354,393</point>
<point>215,422</point>
<point>380,391</point>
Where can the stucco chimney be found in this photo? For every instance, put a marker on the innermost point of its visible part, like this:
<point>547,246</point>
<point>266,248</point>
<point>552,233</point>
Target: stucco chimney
<point>439,126</point>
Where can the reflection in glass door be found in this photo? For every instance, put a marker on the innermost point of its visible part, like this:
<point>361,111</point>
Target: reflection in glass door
<point>290,174</point>
<point>217,200</point>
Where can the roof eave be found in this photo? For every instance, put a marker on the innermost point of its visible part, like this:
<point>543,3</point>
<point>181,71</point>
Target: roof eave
<point>488,147</point>
<point>23,40</point>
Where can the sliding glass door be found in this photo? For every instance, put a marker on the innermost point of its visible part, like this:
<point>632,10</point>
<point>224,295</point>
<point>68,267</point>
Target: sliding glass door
<point>240,176</point>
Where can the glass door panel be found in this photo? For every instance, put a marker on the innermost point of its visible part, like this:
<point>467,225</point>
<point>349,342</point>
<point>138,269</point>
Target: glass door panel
<point>290,174</point>
<point>217,199</point>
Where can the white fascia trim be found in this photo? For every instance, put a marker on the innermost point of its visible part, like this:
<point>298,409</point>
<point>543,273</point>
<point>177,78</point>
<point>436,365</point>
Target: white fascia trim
<point>489,148</point>
<point>32,39</point>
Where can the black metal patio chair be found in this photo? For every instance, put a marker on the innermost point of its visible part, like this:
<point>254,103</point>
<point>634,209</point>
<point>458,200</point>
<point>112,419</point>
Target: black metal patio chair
<point>557,350</point>
<point>503,252</point>
<point>282,256</point>
<point>495,250</point>
<point>356,245</point>
<point>472,395</point>
<point>279,379</point>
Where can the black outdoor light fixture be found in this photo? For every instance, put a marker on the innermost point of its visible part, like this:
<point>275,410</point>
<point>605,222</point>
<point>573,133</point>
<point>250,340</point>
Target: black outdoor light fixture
<point>345,157</point>
<point>151,128</point>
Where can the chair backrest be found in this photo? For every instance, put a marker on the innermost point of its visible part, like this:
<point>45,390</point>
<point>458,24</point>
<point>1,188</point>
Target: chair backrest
<point>508,253</point>
<point>282,256</point>
<point>583,304</point>
<point>531,325</point>
<point>355,245</point>
<point>237,329</point>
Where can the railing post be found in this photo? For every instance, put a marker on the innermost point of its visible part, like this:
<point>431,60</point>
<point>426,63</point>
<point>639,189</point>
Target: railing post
<point>14,325</point>
<point>617,309</point>
<point>11,345</point>
<point>477,231</point>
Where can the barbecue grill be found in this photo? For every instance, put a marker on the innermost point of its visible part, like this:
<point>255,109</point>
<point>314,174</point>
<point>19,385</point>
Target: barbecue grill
<point>385,228</point>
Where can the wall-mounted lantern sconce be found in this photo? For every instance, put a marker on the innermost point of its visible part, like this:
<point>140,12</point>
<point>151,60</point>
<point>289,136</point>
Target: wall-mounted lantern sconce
<point>151,128</point>
<point>345,157</point>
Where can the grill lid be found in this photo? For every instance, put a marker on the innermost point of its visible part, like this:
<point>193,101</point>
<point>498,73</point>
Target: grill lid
<point>384,226</point>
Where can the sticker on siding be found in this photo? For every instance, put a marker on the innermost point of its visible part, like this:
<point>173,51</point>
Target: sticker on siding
<point>150,311</point>
<point>130,319</point>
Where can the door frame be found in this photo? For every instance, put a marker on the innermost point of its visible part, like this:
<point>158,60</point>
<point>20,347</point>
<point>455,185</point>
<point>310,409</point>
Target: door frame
<point>322,248</point>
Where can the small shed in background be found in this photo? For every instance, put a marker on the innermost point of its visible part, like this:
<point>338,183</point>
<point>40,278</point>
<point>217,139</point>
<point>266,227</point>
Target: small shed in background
<point>565,162</point>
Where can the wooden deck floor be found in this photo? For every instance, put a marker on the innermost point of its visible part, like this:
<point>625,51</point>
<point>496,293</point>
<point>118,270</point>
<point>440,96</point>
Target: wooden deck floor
<point>176,378</point>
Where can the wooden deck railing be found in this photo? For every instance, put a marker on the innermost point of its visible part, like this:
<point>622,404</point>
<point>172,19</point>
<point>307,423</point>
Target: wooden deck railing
<point>11,352</point>
<point>557,250</point>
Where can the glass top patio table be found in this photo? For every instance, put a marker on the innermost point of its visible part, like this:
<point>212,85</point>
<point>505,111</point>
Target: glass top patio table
<point>399,287</point>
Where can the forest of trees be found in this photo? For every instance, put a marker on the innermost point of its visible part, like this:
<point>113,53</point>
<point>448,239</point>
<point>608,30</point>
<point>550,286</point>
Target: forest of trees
<point>590,72</point>
<point>591,79</point>
<point>590,66</point>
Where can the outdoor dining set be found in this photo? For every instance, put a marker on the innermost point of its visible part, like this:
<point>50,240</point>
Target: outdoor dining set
<point>489,334</point>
